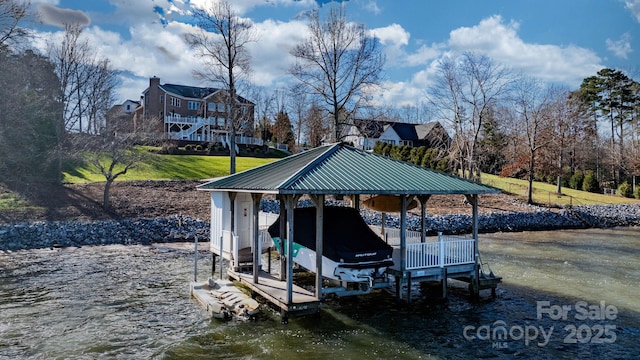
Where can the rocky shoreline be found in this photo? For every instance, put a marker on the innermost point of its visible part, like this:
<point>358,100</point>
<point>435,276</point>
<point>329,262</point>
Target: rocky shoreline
<point>50,234</point>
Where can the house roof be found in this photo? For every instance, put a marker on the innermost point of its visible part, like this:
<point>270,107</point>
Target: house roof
<point>195,92</point>
<point>405,131</point>
<point>342,169</point>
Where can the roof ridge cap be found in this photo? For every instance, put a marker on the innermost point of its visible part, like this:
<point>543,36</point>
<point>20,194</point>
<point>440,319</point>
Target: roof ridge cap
<point>319,158</point>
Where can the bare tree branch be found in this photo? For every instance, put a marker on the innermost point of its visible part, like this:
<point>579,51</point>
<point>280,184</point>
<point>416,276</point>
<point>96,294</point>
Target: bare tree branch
<point>338,62</point>
<point>221,42</point>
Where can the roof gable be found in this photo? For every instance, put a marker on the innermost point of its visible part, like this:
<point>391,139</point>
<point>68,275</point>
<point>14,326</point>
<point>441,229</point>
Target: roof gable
<point>342,169</point>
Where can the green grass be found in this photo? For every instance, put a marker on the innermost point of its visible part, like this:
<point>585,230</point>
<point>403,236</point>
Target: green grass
<point>166,167</point>
<point>10,201</point>
<point>545,193</point>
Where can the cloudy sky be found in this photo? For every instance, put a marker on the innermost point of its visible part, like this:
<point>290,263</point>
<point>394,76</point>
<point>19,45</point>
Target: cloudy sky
<point>559,41</point>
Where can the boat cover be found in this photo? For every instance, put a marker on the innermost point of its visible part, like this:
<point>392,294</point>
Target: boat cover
<point>347,238</point>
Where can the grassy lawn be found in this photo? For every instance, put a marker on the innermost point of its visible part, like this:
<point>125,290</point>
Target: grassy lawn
<point>544,193</point>
<point>10,201</point>
<point>167,167</point>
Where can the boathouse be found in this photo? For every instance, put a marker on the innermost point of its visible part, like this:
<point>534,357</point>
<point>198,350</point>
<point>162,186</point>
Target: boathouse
<point>338,170</point>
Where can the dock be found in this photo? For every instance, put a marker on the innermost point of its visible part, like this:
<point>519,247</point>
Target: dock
<point>275,291</point>
<point>222,300</point>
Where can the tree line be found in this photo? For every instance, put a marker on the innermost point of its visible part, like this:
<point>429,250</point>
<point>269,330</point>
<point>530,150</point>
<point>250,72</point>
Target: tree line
<point>500,122</point>
<point>517,126</point>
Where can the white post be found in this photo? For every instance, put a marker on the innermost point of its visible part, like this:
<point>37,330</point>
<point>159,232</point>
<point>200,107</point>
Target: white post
<point>195,259</point>
<point>440,250</point>
<point>221,258</point>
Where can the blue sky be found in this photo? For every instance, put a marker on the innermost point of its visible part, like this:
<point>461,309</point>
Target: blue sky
<point>560,41</point>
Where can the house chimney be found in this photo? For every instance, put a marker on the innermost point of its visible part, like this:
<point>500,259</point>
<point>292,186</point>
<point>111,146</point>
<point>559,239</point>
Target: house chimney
<point>154,82</point>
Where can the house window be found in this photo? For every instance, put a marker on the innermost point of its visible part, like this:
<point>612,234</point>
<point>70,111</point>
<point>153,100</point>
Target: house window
<point>211,106</point>
<point>193,105</point>
<point>175,102</point>
<point>161,99</point>
<point>220,107</point>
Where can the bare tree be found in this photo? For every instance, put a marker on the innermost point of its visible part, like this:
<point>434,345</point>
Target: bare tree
<point>264,111</point>
<point>531,104</point>
<point>445,98</point>
<point>111,156</point>
<point>298,104</point>
<point>338,62</point>
<point>86,80</point>
<point>221,42</point>
<point>466,92</point>
<point>12,13</point>
<point>316,125</point>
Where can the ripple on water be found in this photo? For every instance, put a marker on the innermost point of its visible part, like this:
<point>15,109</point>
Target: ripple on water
<point>132,302</point>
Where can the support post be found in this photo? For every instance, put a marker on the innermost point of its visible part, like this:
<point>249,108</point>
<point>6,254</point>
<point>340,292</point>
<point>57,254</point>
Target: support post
<point>213,264</point>
<point>222,257</point>
<point>195,259</point>
<point>232,199</point>
<point>444,283</point>
<point>257,245</point>
<point>290,238</point>
<point>283,237</point>
<point>319,203</point>
<point>423,216</point>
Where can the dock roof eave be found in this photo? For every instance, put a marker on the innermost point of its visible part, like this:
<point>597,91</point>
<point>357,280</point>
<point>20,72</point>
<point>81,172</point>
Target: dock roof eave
<point>342,169</point>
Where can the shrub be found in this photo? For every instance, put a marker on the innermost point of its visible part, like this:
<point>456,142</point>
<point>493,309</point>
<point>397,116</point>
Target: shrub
<point>188,147</point>
<point>199,147</point>
<point>575,182</point>
<point>636,193</point>
<point>169,148</point>
<point>590,183</point>
<point>625,190</point>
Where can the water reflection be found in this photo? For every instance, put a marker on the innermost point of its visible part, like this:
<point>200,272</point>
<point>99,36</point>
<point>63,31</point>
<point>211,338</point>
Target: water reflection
<point>132,302</point>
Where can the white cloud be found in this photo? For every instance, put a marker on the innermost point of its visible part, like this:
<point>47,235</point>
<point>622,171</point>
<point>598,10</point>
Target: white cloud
<point>270,54</point>
<point>621,48</point>
<point>393,38</point>
<point>425,54</point>
<point>500,41</point>
<point>393,35</point>
<point>372,6</point>
<point>634,7</point>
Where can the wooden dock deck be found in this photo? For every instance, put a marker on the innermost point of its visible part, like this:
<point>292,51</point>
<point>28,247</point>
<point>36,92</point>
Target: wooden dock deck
<point>275,291</point>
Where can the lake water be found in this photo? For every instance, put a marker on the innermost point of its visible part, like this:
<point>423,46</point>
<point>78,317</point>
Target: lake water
<point>566,294</point>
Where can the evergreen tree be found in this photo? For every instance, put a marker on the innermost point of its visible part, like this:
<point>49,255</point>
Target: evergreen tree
<point>31,119</point>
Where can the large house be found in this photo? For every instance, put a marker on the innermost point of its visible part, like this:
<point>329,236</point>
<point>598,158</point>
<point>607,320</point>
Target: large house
<point>179,112</point>
<point>364,134</point>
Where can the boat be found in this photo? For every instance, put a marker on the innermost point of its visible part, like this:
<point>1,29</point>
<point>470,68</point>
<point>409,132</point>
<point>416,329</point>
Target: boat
<point>352,252</point>
<point>387,203</point>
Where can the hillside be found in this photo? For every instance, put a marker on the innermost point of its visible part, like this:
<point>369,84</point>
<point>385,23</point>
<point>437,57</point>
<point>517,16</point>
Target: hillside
<point>163,198</point>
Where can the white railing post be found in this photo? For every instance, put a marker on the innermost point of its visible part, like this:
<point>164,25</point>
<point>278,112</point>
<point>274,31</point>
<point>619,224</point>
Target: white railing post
<point>441,250</point>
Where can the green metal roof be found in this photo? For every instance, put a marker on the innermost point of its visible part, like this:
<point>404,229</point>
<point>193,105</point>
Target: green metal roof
<point>342,169</point>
